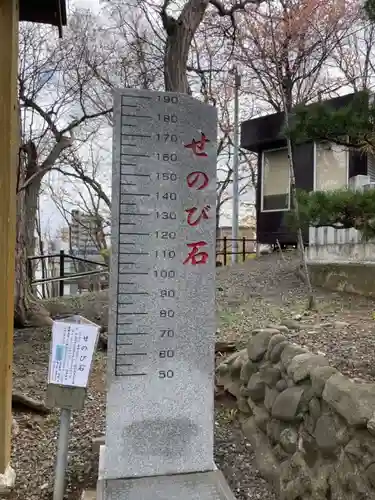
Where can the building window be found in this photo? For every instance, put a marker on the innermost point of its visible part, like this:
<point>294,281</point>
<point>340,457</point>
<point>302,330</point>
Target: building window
<point>276,180</point>
<point>371,166</point>
<point>331,166</point>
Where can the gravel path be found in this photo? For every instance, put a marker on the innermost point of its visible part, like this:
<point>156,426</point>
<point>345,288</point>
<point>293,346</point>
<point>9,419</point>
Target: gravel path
<point>249,295</point>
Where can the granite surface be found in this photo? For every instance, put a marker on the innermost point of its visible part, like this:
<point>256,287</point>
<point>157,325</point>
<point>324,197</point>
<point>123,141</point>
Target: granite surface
<point>162,319</point>
<point>199,486</point>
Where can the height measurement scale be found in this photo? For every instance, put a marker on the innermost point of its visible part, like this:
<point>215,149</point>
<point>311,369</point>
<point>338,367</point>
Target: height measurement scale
<point>162,320</point>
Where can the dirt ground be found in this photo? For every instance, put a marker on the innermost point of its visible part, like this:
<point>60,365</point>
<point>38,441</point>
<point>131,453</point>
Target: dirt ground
<point>248,295</point>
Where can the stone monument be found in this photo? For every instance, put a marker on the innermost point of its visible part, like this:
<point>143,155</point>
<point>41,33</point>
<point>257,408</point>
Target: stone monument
<point>160,400</point>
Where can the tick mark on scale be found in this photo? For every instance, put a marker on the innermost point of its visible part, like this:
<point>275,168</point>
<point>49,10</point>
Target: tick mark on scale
<point>137,116</point>
<point>135,175</point>
<point>133,354</point>
<point>135,154</point>
<point>137,234</point>
<point>134,253</point>
<point>135,96</point>
<point>133,213</point>
<point>132,333</point>
<point>134,194</point>
<point>129,374</point>
<point>131,273</point>
<point>135,135</point>
<point>130,313</point>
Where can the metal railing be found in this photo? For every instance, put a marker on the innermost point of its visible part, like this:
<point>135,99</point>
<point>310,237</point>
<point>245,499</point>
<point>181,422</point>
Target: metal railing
<point>246,247</point>
<point>63,276</point>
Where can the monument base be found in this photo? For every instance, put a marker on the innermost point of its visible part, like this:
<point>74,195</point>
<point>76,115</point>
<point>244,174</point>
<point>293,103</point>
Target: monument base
<point>196,486</point>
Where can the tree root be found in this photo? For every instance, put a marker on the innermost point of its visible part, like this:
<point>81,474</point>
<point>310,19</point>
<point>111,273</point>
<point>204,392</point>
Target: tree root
<point>22,402</point>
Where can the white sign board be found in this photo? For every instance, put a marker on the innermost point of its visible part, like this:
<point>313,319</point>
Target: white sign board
<point>71,354</point>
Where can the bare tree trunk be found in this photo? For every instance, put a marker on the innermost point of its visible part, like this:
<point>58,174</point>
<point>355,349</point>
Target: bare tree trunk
<point>20,295</point>
<point>26,308</point>
<point>311,298</point>
<point>31,210</point>
<point>180,33</point>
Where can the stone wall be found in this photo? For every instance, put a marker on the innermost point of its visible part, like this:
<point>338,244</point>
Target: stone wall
<point>312,429</point>
<point>351,277</point>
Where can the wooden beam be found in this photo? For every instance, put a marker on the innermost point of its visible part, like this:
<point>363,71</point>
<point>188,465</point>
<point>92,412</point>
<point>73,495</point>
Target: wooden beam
<point>9,141</point>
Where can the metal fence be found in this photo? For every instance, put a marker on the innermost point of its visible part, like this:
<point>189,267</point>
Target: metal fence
<point>245,249</point>
<point>63,276</point>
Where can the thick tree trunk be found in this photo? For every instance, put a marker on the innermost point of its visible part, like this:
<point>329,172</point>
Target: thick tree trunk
<point>20,292</point>
<point>180,34</point>
<point>31,208</point>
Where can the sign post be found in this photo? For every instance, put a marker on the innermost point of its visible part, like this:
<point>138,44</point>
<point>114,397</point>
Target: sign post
<point>73,344</point>
<point>160,401</point>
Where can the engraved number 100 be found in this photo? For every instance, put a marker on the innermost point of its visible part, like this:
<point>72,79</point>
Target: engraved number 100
<point>164,273</point>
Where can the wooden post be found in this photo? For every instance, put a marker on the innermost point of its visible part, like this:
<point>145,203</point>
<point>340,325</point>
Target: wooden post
<point>9,142</point>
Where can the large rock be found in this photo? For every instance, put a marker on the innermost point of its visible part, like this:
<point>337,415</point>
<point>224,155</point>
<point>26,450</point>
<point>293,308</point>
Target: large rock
<point>275,339</point>
<point>314,408</point>
<point>319,377</point>
<point>256,387</point>
<point>276,352</point>
<point>370,472</point>
<point>267,329</point>
<point>270,397</point>
<point>354,402</point>
<point>269,374</point>
<point>286,404</point>
<point>257,345</point>
<point>289,440</point>
<point>236,365</point>
<point>261,417</point>
<point>242,355</point>
<point>290,352</point>
<point>302,364</point>
<point>281,385</point>
<point>268,467</point>
<point>326,434</point>
<point>248,369</point>
<point>274,429</point>
<point>280,328</point>
<point>243,406</point>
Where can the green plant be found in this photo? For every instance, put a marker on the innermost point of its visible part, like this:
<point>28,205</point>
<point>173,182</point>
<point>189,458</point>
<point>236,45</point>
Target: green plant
<point>340,209</point>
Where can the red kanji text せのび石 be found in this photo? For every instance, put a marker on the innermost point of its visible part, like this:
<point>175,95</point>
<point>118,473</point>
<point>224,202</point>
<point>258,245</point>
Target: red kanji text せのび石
<point>198,147</point>
<point>196,256</point>
<point>197,180</point>
<point>193,219</point>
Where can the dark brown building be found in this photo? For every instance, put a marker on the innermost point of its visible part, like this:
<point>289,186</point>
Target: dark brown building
<point>318,166</point>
